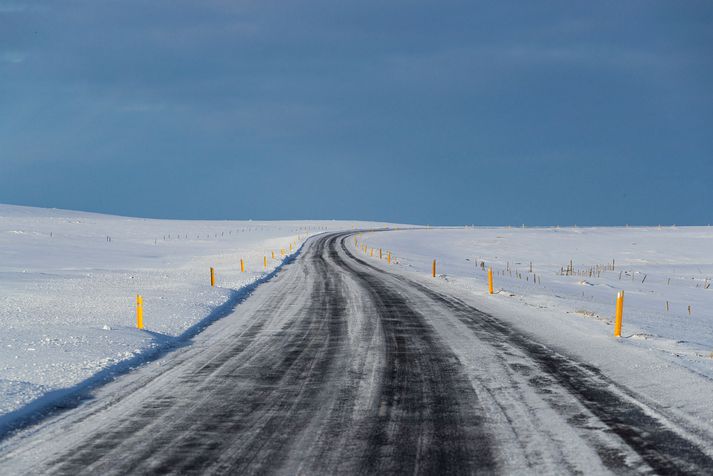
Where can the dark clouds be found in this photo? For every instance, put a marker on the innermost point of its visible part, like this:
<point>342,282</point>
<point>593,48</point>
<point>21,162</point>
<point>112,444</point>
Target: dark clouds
<point>490,112</point>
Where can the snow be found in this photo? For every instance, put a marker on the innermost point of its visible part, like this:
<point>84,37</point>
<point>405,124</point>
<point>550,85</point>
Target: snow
<point>68,285</point>
<point>652,265</point>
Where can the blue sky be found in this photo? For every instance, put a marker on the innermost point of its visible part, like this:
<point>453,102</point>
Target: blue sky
<point>433,112</point>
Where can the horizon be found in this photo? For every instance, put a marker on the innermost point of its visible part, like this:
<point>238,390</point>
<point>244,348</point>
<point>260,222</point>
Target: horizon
<point>418,225</point>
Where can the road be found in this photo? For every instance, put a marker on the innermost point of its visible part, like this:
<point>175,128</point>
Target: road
<point>338,365</point>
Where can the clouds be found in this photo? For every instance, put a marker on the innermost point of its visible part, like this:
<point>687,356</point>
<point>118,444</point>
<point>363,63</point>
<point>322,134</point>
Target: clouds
<point>424,90</point>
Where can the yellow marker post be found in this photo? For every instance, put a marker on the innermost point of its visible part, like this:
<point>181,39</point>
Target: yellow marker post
<point>490,280</point>
<point>282,252</point>
<point>371,252</point>
<point>290,247</point>
<point>619,313</point>
<point>212,276</point>
<point>242,265</point>
<point>273,254</point>
<point>388,258</point>
<point>139,312</point>
<point>379,253</point>
<point>264,262</point>
<point>433,269</point>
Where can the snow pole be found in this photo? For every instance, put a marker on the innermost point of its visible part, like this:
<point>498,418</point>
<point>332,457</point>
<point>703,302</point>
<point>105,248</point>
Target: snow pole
<point>619,313</point>
<point>139,312</point>
<point>273,254</point>
<point>264,262</point>
<point>388,257</point>
<point>433,269</point>
<point>242,265</point>
<point>371,252</point>
<point>379,253</point>
<point>490,280</point>
<point>212,276</point>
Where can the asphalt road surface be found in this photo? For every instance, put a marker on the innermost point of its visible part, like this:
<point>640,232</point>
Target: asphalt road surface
<point>338,365</point>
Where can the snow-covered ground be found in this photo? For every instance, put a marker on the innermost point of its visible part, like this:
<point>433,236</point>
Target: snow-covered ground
<point>662,270</point>
<point>68,285</point>
<point>68,282</point>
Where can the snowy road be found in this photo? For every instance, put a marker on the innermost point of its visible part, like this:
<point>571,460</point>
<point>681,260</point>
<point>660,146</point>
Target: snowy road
<point>338,365</point>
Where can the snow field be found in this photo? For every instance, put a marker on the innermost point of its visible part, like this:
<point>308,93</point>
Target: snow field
<point>662,270</point>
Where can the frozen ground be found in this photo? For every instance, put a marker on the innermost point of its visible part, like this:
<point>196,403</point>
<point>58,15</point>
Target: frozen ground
<point>653,265</point>
<point>68,282</point>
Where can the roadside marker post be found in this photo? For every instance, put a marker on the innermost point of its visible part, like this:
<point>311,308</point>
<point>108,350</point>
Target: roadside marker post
<point>433,269</point>
<point>242,265</point>
<point>273,254</point>
<point>380,253</point>
<point>139,312</point>
<point>388,258</point>
<point>490,280</point>
<point>212,276</point>
<point>619,313</point>
<point>264,262</point>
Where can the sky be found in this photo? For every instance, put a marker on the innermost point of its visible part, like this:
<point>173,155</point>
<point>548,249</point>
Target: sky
<point>429,112</point>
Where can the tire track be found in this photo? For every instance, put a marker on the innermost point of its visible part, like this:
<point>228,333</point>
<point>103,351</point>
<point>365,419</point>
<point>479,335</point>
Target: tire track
<point>429,420</point>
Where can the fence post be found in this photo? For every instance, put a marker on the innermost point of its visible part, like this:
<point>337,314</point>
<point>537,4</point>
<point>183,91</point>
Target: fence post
<point>139,312</point>
<point>619,313</point>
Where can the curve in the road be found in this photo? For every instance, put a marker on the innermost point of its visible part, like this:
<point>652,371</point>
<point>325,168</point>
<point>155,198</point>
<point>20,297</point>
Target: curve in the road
<point>337,365</point>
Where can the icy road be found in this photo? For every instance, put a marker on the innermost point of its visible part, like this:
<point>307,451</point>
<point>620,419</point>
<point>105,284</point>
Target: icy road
<point>337,365</point>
